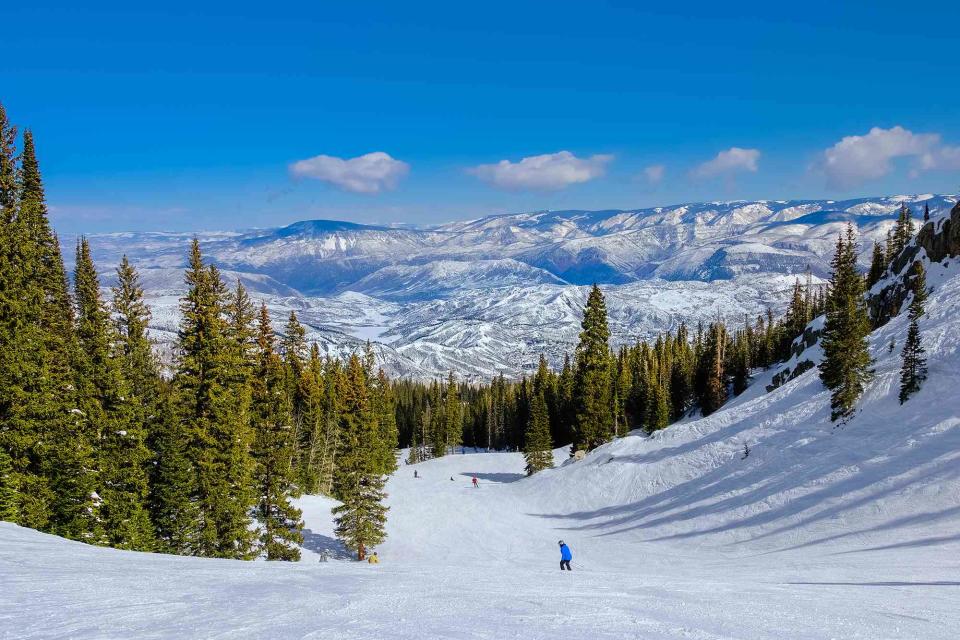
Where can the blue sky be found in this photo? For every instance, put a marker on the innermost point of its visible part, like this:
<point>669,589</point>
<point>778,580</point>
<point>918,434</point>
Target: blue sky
<point>237,115</point>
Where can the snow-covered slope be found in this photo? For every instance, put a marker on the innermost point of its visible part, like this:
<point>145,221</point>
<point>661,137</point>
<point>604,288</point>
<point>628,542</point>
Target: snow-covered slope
<point>822,531</point>
<point>435,297</point>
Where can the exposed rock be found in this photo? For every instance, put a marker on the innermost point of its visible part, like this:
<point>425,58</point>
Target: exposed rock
<point>939,239</point>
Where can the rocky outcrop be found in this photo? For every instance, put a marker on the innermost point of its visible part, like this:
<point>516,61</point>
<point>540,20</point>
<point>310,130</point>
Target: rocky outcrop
<point>940,239</point>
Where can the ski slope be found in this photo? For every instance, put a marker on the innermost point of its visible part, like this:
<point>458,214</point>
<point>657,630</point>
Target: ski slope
<point>823,531</point>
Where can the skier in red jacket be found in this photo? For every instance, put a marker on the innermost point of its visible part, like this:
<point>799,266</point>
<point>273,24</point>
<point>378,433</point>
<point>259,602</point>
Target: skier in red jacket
<point>475,483</point>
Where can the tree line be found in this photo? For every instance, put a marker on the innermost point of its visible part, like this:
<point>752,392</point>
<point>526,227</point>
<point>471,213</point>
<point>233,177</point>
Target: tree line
<point>97,445</point>
<point>601,393</point>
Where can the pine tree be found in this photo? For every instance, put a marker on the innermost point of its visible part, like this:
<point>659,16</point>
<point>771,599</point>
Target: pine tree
<point>19,337</point>
<point>890,248</point>
<point>681,376</point>
<point>592,394</point>
<point>297,384</point>
<point>537,451</point>
<point>212,384</point>
<point>62,434</point>
<point>902,231</point>
<point>310,424</point>
<point>845,369</point>
<point>713,388</point>
<point>173,501</point>
<point>564,427</point>
<point>113,413</point>
<point>658,395</point>
<point>332,414</point>
<point>878,265</point>
<point>280,522</point>
<point>361,518</point>
<point>8,490</point>
<point>926,212</point>
<point>452,416</point>
<point>913,371</point>
<point>384,410</point>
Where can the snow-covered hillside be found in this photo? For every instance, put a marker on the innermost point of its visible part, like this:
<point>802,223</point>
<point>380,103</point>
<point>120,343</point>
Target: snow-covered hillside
<point>490,295</point>
<point>822,531</point>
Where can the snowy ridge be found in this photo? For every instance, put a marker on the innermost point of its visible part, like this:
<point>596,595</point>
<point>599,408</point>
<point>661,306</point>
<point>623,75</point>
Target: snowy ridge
<point>488,296</point>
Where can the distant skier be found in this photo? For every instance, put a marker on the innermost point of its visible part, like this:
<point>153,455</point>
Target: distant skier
<point>323,556</point>
<point>415,474</point>
<point>565,556</point>
<point>476,485</point>
<point>373,559</point>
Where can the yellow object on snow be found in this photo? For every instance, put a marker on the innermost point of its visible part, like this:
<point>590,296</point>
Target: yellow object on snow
<point>373,559</point>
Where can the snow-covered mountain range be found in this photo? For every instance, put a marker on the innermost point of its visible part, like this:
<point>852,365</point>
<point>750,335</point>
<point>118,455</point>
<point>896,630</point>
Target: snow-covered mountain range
<point>490,295</point>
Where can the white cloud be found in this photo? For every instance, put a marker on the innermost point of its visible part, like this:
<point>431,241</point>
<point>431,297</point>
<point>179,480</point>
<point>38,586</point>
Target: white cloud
<point>727,162</point>
<point>654,173</point>
<point>369,173</point>
<point>546,172</point>
<point>858,159</point>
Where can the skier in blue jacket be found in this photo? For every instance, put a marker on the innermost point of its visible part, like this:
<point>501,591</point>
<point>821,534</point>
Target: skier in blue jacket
<point>565,556</point>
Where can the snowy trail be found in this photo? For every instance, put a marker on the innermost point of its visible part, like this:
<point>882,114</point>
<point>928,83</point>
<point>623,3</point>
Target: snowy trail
<point>822,532</point>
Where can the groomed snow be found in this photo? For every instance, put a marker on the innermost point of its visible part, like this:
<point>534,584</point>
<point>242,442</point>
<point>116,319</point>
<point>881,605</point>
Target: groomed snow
<point>823,531</point>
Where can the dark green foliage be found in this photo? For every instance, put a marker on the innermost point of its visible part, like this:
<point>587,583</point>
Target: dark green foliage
<point>309,422</point>
<point>274,444</point>
<point>8,490</point>
<point>537,451</point>
<point>901,234</point>
<point>385,412</point>
<point>712,370</point>
<point>64,438</point>
<point>878,265</point>
<point>913,371</point>
<point>361,517</point>
<point>592,394</point>
<point>114,415</point>
<point>173,482</point>
<point>845,369</point>
<point>212,386</point>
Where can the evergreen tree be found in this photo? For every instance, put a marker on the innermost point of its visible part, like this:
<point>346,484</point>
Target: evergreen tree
<point>310,424</point>
<point>8,490</point>
<point>131,317</point>
<point>332,413</point>
<point>537,450</point>
<point>113,414</point>
<point>681,376</point>
<point>713,375</point>
<point>384,410</point>
<point>173,501</point>
<point>452,416</point>
<point>878,265</point>
<point>20,438</point>
<point>62,434</point>
<point>845,369</point>
<point>298,386</point>
<point>740,360</point>
<point>926,212</point>
<point>361,518</point>
<point>212,386</point>
<point>913,371</point>
<point>592,394</point>
<point>903,230</point>
<point>564,427</point>
<point>280,522</point>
